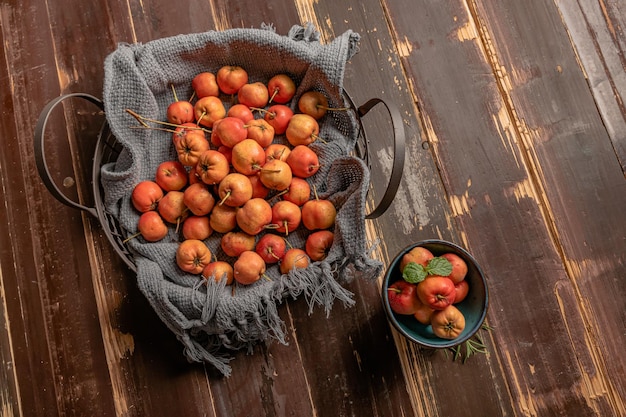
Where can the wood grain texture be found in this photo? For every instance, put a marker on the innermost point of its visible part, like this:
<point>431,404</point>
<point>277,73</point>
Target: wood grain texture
<point>522,188</point>
<point>564,138</point>
<point>596,28</point>
<point>514,121</point>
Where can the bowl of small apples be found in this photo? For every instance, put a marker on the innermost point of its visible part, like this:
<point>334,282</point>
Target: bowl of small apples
<point>435,294</point>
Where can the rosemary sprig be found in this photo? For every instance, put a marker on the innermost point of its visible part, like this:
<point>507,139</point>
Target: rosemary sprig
<point>471,346</point>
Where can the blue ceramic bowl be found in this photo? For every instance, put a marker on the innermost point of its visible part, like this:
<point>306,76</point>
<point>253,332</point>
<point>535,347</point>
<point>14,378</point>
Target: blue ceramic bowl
<point>473,307</point>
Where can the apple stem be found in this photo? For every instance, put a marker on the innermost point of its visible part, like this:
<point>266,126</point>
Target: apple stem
<point>174,91</point>
<point>260,110</point>
<point>317,137</point>
<point>193,95</point>
<point>153,128</point>
<point>280,193</point>
<point>139,118</point>
<point>225,198</point>
<point>271,251</point>
<point>201,116</point>
<point>131,237</point>
<point>142,120</point>
<point>266,277</point>
<point>315,192</point>
<point>394,290</point>
<point>276,90</point>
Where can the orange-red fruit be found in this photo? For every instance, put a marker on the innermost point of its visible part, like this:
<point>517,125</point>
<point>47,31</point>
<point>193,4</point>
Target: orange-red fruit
<point>259,190</point>
<point>318,214</point>
<point>218,270</point>
<point>253,95</point>
<point>271,247</point>
<point>146,195</point>
<point>171,176</point>
<point>313,103</point>
<point>261,131</point>
<point>204,84</point>
<point>208,110</point>
<point>192,256</point>
<point>230,78</point>
<point>278,116</point>
<point>281,88</point>
<point>299,191</point>
<point>248,268</point>
<point>303,161</point>
<point>277,151</point>
<point>230,131</point>
<point>462,290</point>
<point>240,111</point>
<point>286,216</point>
<point>318,244</point>
<point>248,157</point>
<point>459,267</point>
<point>424,314</point>
<point>182,130</point>
<point>151,226</point>
<point>223,218</point>
<point>198,199</point>
<point>180,112</point>
<point>276,175</point>
<point>234,243</point>
<point>172,207</point>
<point>191,146</point>
<point>294,258</point>
<point>418,254</point>
<point>254,216</point>
<point>212,166</point>
<point>302,130</point>
<point>235,189</point>
<point>197,227</point>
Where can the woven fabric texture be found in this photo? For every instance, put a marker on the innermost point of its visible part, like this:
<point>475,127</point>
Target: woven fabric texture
<point>211,320</point>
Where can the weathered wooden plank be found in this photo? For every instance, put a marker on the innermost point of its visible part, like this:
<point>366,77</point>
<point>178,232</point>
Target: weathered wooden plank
<point>271,380</point>
<point>523,169</point>
<point>9,391</point>
<point>316,337</point>
<point>565,132</point>
<point>420,209</point>
<point>596,31</point>
<point>225,397</point>
<point>491,188</point>
<point>145,371</point>
<point>46,285</point>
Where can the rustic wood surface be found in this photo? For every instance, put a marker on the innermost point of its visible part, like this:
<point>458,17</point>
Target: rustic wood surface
<point>516,149</point>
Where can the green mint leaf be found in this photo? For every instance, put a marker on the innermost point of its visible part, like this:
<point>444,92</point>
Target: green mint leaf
<point>439,266</point>
<point>414,273</point>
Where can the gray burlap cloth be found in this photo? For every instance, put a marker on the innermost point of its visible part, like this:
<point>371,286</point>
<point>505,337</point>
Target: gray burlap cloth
<point>211,320</point>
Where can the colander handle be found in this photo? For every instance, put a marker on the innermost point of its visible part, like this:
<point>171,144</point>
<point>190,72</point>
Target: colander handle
<point>40,160</point>
<point>398,155</point>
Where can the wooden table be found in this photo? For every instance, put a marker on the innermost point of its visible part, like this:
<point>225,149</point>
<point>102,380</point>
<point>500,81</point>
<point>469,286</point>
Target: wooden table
<point>516,148</point>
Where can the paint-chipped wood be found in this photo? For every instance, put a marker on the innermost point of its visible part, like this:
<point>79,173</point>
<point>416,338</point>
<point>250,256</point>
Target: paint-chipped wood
<point>597,31</point>
<point>514,138</point>
<point>514,204</point>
